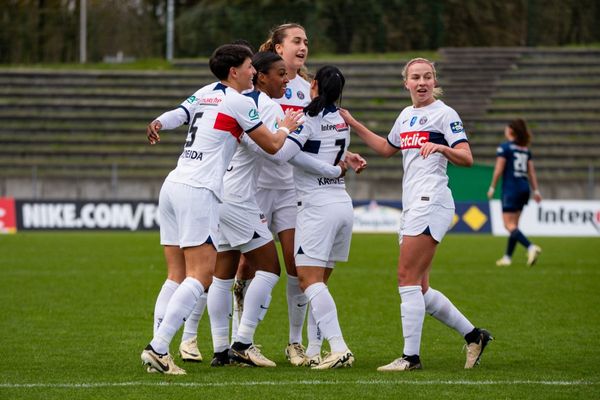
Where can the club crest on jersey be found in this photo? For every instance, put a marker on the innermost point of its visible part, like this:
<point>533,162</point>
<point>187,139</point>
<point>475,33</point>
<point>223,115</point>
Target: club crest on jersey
<point>456,127</point>
<point>300,94</point>
<point>253,114</point>
<point>288,93</point>
<point>423,120</point>
<point>413,120</point>
<point>413,140</point>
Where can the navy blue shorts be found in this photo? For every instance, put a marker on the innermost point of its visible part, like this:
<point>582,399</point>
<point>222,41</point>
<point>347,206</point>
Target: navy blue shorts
<point>514,201</point>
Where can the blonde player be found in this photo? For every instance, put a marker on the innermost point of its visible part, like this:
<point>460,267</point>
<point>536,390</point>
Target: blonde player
<point>429,134</point>
<point>191,192</point>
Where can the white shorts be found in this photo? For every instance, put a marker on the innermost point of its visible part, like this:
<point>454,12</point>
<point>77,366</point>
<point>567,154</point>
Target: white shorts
<point>323,233</point>
<point>435,218</point>
<point>243,228</point>
<point>188,215</point>
<point>280,208</point>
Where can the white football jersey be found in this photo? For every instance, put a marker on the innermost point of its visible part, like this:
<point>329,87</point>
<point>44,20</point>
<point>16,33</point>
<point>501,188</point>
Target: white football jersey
<point>219,118</point>
<point>325,137</point>
<point>425,181</point>
<point>296,97</point>
<point>240,180</point>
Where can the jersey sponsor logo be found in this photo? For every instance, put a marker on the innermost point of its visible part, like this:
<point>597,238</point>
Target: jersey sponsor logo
<point>456,127</point>
<point>253,114</point>
<point>341,127</point>
<point>191,99</point>
<point>300,94</point>
<point>288,93</point>
<point>413,120</point>
<point>211,101</point>
<point>423,120</point>
<point>413,140</point>
<point>226,123</point>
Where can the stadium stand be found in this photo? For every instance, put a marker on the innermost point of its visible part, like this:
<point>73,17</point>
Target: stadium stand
<point>63,131</point>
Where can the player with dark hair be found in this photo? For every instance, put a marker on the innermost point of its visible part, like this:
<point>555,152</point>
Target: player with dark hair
<point>514,164</point>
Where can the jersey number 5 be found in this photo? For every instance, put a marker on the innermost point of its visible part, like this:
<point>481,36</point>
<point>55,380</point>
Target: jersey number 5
<point>193,130</point>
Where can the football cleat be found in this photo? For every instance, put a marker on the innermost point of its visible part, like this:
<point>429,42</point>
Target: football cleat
<point>295,353</point>
<point>188,350</point>
<point>475,349</point>
<point>249,356</point>
<point>162,363</point>
<point>336,360</point>
<point>313,361</point>
<point>220,359</point>
<point>504,262</point>
<point>532,254</point>
<point>400,364</point>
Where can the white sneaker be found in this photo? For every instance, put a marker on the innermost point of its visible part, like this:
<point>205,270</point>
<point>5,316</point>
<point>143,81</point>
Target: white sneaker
<point>250,356</point>
<point>504,262</point>
<point>532,254</point>
<point>162,363</point>
<point>400,364</point>
<point>295,353</point>
<point>188,350</point>
<point>336,360</point>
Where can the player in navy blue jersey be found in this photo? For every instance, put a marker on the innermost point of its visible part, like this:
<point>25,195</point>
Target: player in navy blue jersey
<point>515,165</point>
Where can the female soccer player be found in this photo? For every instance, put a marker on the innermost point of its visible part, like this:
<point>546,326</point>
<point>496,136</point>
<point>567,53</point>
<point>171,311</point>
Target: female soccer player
<point>514,164</point>
<point>429,134</point>
<point>189,197</point>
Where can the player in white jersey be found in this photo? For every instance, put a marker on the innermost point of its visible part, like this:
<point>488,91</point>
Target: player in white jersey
<point>191,192</point>
<point>429,134</point>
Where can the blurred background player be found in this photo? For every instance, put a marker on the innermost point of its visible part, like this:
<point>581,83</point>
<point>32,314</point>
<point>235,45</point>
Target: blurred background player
<point>189,197</point>
<point>515,165</point>
<point>429,134</point>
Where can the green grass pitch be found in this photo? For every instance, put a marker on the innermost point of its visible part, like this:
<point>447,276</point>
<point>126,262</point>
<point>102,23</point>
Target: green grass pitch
<point>76,311</point>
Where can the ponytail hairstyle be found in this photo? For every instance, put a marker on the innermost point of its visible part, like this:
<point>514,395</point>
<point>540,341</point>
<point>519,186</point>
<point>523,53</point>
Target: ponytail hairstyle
<point>276,36</point>
<point>262,63</point>
<point>331,84</point>
<point>437,90</point>
<point>520,132</point>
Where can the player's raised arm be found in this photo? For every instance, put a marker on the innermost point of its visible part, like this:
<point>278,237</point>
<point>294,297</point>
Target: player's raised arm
<point>270,142</point>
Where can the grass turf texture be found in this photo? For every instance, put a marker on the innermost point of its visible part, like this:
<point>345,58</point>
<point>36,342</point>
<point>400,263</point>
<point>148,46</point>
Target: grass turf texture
<point>77,311</point>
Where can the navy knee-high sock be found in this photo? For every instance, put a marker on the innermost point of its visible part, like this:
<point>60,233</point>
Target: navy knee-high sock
<point>516,236</point>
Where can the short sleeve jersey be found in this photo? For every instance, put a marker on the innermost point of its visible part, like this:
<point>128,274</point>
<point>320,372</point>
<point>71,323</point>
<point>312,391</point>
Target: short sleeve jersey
<point>219,118</point>
<point>514,177</point>
<point>240,180</point>
<point>296,97</point>
<point>425,181</point>
<point>325,137</point>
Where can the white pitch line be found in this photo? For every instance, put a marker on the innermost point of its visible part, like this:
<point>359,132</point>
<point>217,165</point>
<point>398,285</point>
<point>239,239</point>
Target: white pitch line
<point>292,383</point>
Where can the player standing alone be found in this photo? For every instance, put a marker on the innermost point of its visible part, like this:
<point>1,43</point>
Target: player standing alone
<point>515,165</point>
<point>429,134</point>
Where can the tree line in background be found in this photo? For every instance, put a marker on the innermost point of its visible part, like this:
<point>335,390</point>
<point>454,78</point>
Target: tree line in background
<point>33,31</point>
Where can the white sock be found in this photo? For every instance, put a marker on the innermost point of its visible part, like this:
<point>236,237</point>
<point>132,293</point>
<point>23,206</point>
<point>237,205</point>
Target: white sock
<point>325,313</point>
<point>237,315</point>
<point>412,311</point>
<point>179,308</point>
<point>219,310</point>
<point>160,307</point>
<point>297,304</point>
<point>190,328</point>
<point>439,307</point>
<point>256,304</point>
<point>315,339</point>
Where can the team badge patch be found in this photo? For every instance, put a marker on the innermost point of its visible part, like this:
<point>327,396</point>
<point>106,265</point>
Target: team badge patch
<point>300,95</point>
<point>191,99</point>
<point>288,93</point>
<point>413,120</point>
<point>423,120</point>
<point>456,127</point>
<point>253,114</point>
